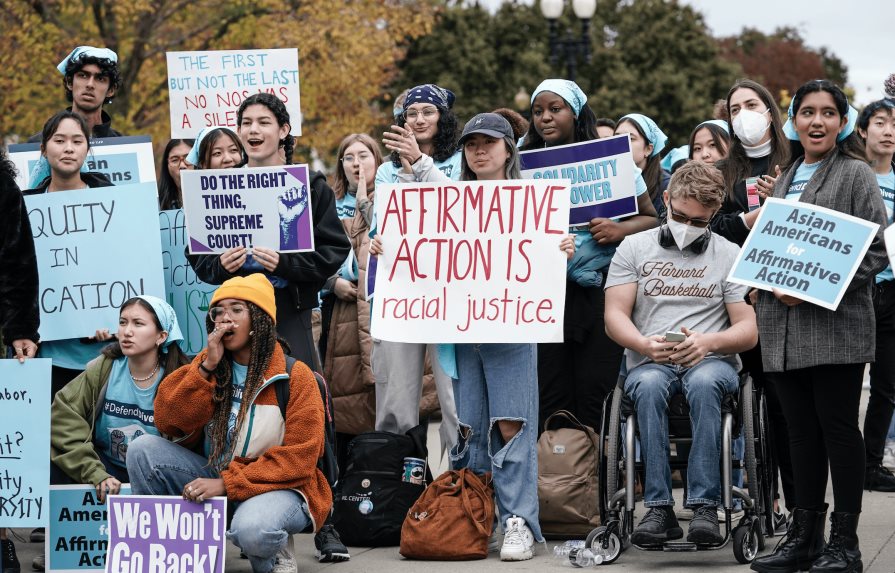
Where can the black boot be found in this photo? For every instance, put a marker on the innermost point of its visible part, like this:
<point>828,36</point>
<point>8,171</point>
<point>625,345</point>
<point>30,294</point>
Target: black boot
<point>8,557</point>
<point>841,555</point>
<point>802,544</point>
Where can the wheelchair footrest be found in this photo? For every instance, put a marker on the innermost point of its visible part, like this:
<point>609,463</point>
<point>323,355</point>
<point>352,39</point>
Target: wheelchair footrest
<point>678,546</point>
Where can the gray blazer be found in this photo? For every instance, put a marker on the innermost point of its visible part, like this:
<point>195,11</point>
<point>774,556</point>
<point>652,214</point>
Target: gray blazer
<point>807,335</point>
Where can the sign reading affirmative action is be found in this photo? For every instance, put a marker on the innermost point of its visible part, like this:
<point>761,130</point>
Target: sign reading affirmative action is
<point>475,261</point>
<point>255,207</point>
<point>150,534</point>
<point>184,291</point>
<point>206,88</point>
<point>803,250</point>
<point>601,172</point>
<point>78,531</point>
<point>24,442</point>
<point>95,249</point>
<point>124,160</point>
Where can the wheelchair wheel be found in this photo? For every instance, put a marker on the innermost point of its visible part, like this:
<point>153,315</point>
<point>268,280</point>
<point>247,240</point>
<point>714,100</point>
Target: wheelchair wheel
<point>747,400</point>
<point>745,542</point>
<point>595,541</point>
<point>613,446</point>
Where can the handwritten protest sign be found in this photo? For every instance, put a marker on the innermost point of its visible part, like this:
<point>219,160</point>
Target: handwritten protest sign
<point>803,250</point>
<point>471,261</point>
<point>889,235</point>
<point>77,535</point>
<point>206,88</point>
<point>601,172</point>
<point>148,534</point>
<point>94,251</point>
<point>257,207</point>
<point>24,442</point>
<point>124,160</point>
<point>183,290</point>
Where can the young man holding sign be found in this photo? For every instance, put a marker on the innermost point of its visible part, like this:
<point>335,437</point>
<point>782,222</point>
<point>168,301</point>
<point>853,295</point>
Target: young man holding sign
<point>672,280</point>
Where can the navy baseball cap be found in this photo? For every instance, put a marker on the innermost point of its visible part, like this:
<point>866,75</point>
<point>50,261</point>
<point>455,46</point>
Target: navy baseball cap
<point>488,124</point>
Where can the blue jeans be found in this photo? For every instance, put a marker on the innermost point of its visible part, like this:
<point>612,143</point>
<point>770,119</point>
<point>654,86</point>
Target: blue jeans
<point>499,382</point>
<point>261,525</point>
<point>650,386</point>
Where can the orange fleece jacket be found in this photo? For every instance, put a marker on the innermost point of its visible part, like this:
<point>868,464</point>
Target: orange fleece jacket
<point>183,407</point>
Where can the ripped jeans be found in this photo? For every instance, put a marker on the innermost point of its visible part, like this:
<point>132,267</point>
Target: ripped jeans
<point>500,382</point>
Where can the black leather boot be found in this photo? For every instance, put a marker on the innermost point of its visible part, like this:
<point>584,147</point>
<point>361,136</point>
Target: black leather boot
<point>799,548</point>
<point>841,555</point>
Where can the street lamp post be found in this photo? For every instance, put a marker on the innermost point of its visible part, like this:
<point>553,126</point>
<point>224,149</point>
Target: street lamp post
<point>569,47</point>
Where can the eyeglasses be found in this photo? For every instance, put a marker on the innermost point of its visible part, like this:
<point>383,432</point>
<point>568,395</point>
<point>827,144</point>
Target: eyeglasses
<point>235,312</point>
<point>360,158</point>
<point>412,114</point>
<point>678,217</point>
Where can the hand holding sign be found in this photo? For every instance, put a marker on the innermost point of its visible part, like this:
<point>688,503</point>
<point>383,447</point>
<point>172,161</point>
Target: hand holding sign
<point>109,486</point>
<point>233,259</point>
<point>267,258</point>
<point>201,489</point>
<point>606,231</point>
<point>24,348</point>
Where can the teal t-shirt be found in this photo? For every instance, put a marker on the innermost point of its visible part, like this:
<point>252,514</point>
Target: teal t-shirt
<point>803,175</point>
<point>127,413</point>
<point>887,187</point>
<point>70,353</point>
<point>238,381</point>
<point>346,206</point>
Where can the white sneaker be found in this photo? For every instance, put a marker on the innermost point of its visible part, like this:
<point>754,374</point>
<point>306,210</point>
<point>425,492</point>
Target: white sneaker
<point>889,455</point>
<point>285,559</point>
<point>518,541</point>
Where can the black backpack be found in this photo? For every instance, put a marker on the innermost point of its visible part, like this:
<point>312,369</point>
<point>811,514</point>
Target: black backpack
<point>327,462</point>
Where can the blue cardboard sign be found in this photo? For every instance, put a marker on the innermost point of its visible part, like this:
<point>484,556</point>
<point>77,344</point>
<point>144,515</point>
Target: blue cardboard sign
<point>602,172</point>
<point>24,442</point>
<point>77,536</point>
<point>803,250</point>
<point>96,248</point>
<point>184,291</point>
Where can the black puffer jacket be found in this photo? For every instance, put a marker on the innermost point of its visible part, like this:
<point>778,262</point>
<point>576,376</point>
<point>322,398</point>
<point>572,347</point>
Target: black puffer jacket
<point>19,316</point>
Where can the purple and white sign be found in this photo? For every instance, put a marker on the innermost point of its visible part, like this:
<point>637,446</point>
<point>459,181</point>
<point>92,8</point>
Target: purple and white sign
<point>148,534</point>
<point>602,172</point>
<point>253,207</point>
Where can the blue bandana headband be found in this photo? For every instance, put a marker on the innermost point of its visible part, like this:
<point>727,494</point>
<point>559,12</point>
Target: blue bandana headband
<point>789,128</point>
<point>675,155</point>
<point>166,318</point>
<point>567,90</point>
<point>430,93</point>
<point>718,122</point>
<point>193,156</point>
<point>653,134</point>
<point>87,52</point>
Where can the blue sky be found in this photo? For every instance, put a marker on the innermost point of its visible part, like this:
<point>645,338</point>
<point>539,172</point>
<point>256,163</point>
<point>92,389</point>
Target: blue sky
<point>859,32</point>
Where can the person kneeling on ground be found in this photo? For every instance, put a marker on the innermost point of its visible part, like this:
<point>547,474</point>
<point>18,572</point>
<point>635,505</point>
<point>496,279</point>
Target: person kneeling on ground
<point>673,279</point>
<point>261,459</point>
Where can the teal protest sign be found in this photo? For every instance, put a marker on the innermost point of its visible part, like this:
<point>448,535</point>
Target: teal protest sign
<point>24,442</point>
<point>77,536</point>
<point>124,160</point>
<point>803,250</point>
<point>95,249</point>
<point>183,290</point>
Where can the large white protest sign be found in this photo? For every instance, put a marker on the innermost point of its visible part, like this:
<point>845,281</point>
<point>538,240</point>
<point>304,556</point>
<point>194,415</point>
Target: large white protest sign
<point>206,88</point>
<point>889,235</point>
<point>96,248</point>
<point>124,160</point>
<point>475,261</point>
<point>255,207</point>
<point>602,173</point>
<point>803,250</point>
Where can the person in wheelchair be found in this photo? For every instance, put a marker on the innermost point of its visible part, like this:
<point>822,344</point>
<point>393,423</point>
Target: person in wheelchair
<point>672,279</point>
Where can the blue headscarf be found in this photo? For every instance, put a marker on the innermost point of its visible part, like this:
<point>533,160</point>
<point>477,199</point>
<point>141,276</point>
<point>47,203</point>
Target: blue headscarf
<point>719,122</point>
<point>789,128</point>
<point>41,171</point>
<point>653,134</point>
<point>675,155</point>
<point>87,52</point>
<point>166,317</point>
<point>440,97</point>
<point>567,90</point>
<point>193,156</point>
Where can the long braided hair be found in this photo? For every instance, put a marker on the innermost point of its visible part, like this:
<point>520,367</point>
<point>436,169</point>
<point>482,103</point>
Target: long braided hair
<point>263,341</point>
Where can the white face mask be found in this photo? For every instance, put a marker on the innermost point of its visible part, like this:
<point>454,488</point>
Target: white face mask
<point>684,234</point>
<point>750,126</point>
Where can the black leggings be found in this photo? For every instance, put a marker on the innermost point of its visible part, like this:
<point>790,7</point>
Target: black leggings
<point>821,408</point>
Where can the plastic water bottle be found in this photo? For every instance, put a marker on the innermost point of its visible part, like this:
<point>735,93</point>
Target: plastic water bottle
<point>585,558</point>
<point>561,552</point>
